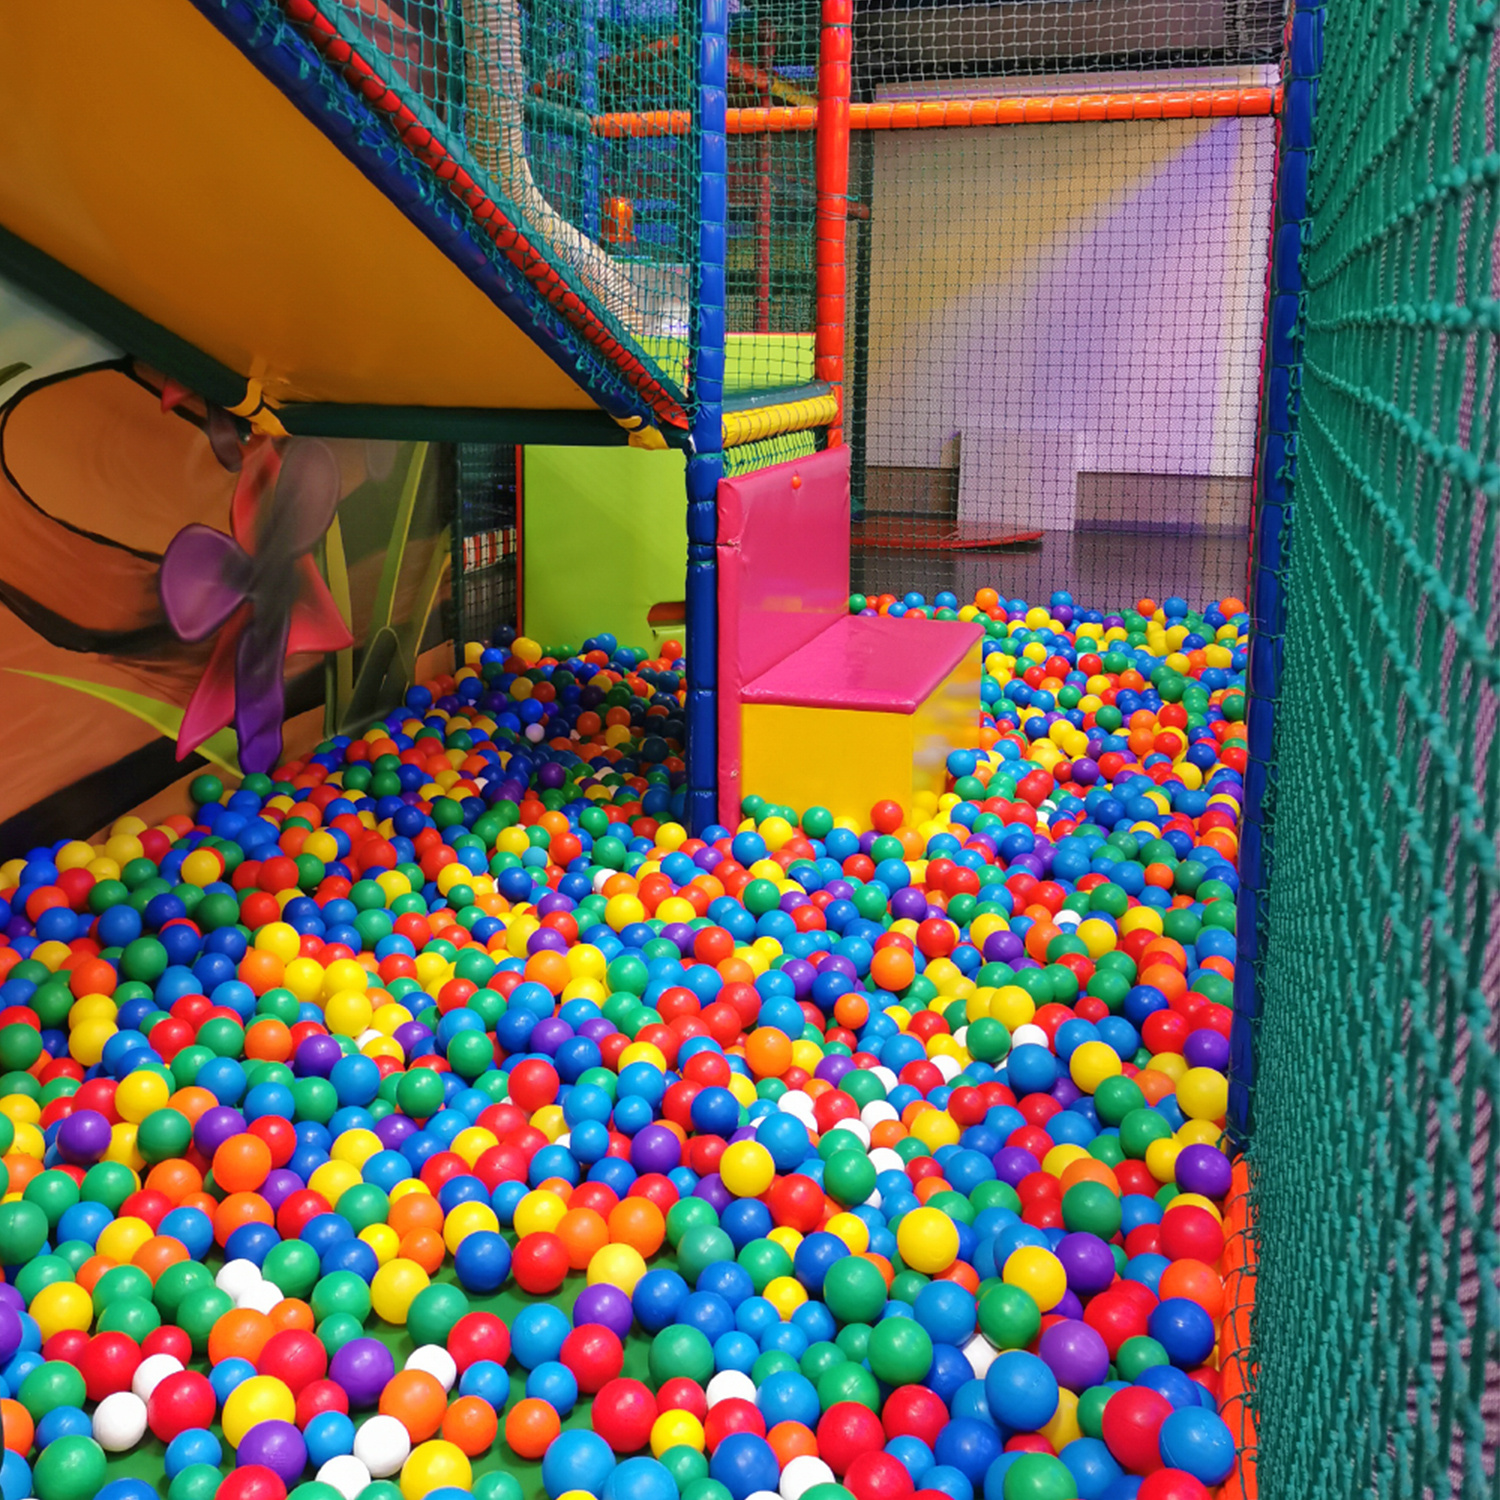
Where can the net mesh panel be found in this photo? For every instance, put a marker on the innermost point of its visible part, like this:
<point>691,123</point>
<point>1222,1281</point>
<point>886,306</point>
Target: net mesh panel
<point>748,457</point>
<point>538,100</point>
<point>484,543</point>
<point>1373,1144</point>
<point>1055,328</point>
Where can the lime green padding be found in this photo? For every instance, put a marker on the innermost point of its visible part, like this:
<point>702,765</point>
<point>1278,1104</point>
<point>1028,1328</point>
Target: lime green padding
<point>603,540</point>
<point>752,361</point>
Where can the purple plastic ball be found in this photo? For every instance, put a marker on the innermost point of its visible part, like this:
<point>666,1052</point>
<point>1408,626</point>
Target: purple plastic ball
<point>1012,1163</point>
<point>1002,948</point>
<point>655,1149</point>
<point>713,1192</point>
<point>1075,1354</point>
<point>1207,1049</point>
<point>10,1330</point>
<point>363,1367</point>
<point>276,1445</point>
<point>1203,1169</point>
<point>280,1185</point>
<point>393,1129</point>
<point>604,1304</point>
<point>548,1035</point>
<point>83,1137</point>
<point>315,1056</point>
<point>216,1125</point>
<point>1088,1262</point>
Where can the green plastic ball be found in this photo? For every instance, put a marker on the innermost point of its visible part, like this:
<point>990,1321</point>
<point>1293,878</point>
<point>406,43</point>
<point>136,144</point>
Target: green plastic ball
<point>74,1467</point>
<point>196,1482</point>
<point>50,1385</point>
<point>900,1351</point>
<point>23,1232</point>
<point>701,1247</point>
<point>1009,1317</point>
<point>681,1350</point>
<point>854,1290</point>
<point>434,1311</point>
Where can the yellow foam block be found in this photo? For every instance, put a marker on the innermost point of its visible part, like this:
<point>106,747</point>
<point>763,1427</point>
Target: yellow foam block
<point>848,759</point>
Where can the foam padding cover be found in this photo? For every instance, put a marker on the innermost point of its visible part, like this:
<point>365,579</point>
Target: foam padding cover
<point>848,759</point>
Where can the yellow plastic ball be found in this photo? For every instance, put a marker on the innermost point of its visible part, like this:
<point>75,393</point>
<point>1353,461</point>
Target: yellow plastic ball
<point>677,1429</point>
<point>746,1169</point>
<point>61,1307</point>
<point>1038,1273</point>
<point>1161,1159</point>
<point>333,1179</point>
<point>852,1229</point>
<point>355,1147</point>
<point>539,1213</point>
<point>119,1240</point>
<point>472,1143</point>
<point>935,1128</point>
<point>616,1265</point>
<point>928,1240</point>
<point>262,1398</point>
<point>436,1465</point>
<point>1092,1063</point>
<point>1012,1006</point>
<point>465,1220</point>
<point>622,910</point>
<point>395,1287</point>
<point>348,1013</point>
<point>786,1294</point>
<point>1203,1094</point>
<point>383,1240</point>
<point>202,867</point>
<point>86,1042</point>
<point>1063,1427</point>
<point>280,938</point>
<point>304,978</point>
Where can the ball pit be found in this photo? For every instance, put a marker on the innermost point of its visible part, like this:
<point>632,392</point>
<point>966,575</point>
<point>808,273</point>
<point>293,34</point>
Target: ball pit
<point>437,1117</point>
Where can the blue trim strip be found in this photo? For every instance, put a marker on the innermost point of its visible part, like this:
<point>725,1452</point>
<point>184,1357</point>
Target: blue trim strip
<point>706,465</point>
<point>261,31</point>
<point>1273,514</point>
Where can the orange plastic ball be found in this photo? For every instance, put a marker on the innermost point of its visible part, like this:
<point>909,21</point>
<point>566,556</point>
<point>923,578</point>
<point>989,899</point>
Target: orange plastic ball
<point>893,968</point>
<point>637,1222</point>
<point>241,1333</point>
<point>417,1400</point>
<point>531,1427</point>
<point>582,1232</point>
<point>242,1163</point>
<point>471,1424</point>
<point>769,1052</point>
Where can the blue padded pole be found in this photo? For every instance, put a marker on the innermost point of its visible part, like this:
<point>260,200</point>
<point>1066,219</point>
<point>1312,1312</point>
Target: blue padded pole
<point>1271,534</point>
<point>705,466</point>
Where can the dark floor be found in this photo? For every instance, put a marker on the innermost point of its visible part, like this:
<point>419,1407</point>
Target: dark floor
<point>1103,570</point>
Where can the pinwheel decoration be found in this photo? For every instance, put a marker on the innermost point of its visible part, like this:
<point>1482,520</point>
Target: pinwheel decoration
<point>257,591</point>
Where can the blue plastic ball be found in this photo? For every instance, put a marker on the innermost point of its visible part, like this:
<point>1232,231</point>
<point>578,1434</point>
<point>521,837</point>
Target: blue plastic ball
<point>195,1446</point>
<point>744,1463</point>
<point>1199,1442</point>
<point>577,1460</point>
<point>1021,1390</point>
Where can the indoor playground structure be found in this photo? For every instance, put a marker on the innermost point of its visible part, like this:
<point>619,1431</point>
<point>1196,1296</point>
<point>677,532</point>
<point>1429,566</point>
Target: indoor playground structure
<point>749,750</point>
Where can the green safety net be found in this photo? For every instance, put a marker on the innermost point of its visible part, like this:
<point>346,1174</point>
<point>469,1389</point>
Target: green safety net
<point>1372,1134</point>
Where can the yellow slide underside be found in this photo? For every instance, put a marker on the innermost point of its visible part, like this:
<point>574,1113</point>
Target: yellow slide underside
<point>141,150</point>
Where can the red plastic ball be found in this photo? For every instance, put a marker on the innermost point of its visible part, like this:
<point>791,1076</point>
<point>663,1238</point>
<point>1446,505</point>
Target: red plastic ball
<point>295,1357</point>
<point>181,1402</point>
<point>534,1084</point>
<point>796,1202</point>
<point>726,1418</point>
<point>477,1336</point>
<point>1116,1316</point>
<point>322,1395</point>
<point>914,1411</point>
<point>878,1476</point>
<point>107,1363</point>
<point>1172,1484</point>
<point>594,1354</point>
<point>168,1339</point>
<point>67,1345</point>
<point>682,1394</point>
<point>253,1482</point>
<point>624,1411</point>
<point>845,1431</point>
<point>1132,1427</point>
<point>1191,1233</point>
<point>540,1263</point>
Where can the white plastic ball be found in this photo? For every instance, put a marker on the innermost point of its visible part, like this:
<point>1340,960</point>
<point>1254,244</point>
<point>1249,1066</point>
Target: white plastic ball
<point>876,1111</point>
<point>1030,1036</point>
<point>858,1130</point>
<point>729,1385</point>
<point>886,1076</point>
<point>237,1277</point>
<point>346,1474</point>
<point>382,1445</point>
<point>119,1422</point>
<point>437,1362</point>
<point>151,1372</point>
<point>265,1297</point>
<point>802,1474</point>
<point>981,1354</point>
<point>948,1066</point>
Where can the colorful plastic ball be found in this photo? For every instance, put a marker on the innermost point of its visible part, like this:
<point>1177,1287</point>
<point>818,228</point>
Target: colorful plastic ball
<point>382,1445</point>
<point>482,1262</point>
<point>900,1351</point>
<point>1131,1428</point>
<point>1184,1330</point>
<point>594,1355</point>
<point>744,1463</point>
<point>328,1435</point>
<point>578,1460</point>
<point>72,1468</point>
<point>1038,1476</point>
<point>1021,1391</point>
<point>1199,1442</point>
<point>928,1240</point>
<point>878,1476</point>
<point>1038,1273</point>
<point>260,1399</point>
<point>747,1170</point>
<point>531,1426</point>
<point>362,1368</point>
<point>196,1446</point>
<point>1172,1484</point>
<point>278,1446</point>
<point>624,1413</point>
<point>639,1479</point>
<point>119,1422</point>
<point>846,1430</point>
